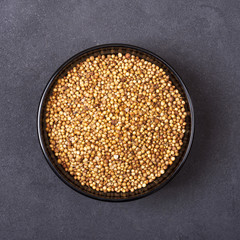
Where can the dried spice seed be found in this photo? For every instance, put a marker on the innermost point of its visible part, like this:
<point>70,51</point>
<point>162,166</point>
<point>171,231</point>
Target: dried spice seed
<point>115,122</point>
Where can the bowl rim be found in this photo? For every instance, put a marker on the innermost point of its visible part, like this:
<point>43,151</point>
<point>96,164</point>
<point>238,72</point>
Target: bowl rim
<point>45,91</point>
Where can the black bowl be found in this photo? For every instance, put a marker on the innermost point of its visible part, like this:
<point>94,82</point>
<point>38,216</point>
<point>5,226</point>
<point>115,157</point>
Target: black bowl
<point>158,182</point>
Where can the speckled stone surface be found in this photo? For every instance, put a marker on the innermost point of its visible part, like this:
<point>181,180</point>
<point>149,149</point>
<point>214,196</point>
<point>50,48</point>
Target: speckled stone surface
<point>200,39</point>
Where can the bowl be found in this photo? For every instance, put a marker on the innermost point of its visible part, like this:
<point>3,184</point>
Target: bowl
<point>159,182</point>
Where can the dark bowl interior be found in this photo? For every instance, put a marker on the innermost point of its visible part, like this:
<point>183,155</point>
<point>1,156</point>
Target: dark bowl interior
<point>158,182</point>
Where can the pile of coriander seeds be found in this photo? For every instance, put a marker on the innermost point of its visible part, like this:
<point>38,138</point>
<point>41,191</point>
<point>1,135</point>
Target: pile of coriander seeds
<point>115,122</point>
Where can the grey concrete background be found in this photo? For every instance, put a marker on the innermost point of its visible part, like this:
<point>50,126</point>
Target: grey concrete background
<point>200,39</point>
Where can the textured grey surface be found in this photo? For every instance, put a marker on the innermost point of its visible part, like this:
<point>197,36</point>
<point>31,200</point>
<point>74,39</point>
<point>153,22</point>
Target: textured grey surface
<point>200,39</point>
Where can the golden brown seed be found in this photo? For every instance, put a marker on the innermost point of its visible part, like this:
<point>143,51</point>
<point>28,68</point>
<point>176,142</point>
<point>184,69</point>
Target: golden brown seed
<point>115,122</point>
